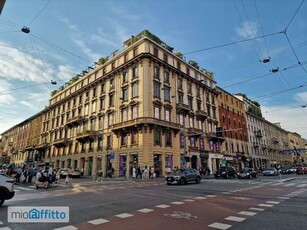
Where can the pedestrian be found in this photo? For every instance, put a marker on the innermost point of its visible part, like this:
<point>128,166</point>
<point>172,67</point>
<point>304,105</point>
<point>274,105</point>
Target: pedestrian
<point>99,174</point>
<point>58,176</point>
<point>133,172</point>
<point>68,179</point>
<point>30,174</point>
<point>82,171</point>
<point>139,173</point>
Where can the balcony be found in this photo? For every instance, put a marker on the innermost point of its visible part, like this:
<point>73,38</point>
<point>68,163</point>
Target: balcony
<point>183,107</point>
<point>255,144</point>
<point>86,136</point>
<point>263,146</point>
<point>274,140</point>
<point>62,142</point>
<point>193,148</point>
<point>201,114</point>
<point>74,120</point>
<point>258,133</point>
<point>145,120</point>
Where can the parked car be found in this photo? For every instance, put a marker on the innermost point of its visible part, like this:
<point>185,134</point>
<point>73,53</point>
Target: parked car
<point>6,188</point>
<point>183,176</point>
<point>225,172</point>
<point>285,171</point>
<point>247,173</point>
<point>64,172</point>
<point>293,169</point>
<point>270,172</point>
<point>301,170</point>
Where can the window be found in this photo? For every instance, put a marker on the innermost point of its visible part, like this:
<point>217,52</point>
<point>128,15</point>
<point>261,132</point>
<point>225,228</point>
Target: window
<point>201,144</point>
<point>189,88</point>
<point>102,103</point>
<point>167,115</point>
<point>83,147</point>
<point>134,138</point>
<point>103,88</point>
<point>191,122</point>
<point>156,72</point>
<point>178,65</point>
<point>111,100</point>
<point>113,65</point>
<point>94,92</point>
<point>198,105</point>
<point>181,119</point>
<point>123,139</point>
<point>125,77</point>
<point>134,89</point>
<point>86,109</point>
<point>90,148</point>
<point>165,57</point>
<point>190,101</point>
<point>134,111</point>
<point>180,97</point>
<point>168,138</point>
<point>93,106</point>
<point>182,140</point>
<point>157,137</point>
<point>124,115</point>
<point>99,143</point>
<point>80,99</point>
<point>125,94</point>
<point>109,142</point>
<point>167,94</point>
<point>188,71</point>
<point>197,92</point>
<point>157,112</point>
<point>135,52</point>
<point>92,124</point>
<point>196,75</point>
<point>156,89</point>
<point>166,77</point>
<point>134,72</point>
<point>156,52</point>
<point>179,83</point>
<point>100,122</point>
<point>76,147</point>
<point>110,119</point>
<point>192,142</point>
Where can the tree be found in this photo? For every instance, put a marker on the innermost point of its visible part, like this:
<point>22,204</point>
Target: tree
<point>102,60</point>
<point>53,92</point>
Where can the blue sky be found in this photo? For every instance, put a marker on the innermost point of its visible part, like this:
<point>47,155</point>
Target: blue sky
<point>68,36</point>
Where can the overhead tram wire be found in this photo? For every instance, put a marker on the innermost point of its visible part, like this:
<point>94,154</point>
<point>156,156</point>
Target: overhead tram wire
<point>263,75</point>
<point>281,92</point>
<point>35,17</point>
<point>242,22</point>
<point>233,43</point>
<point>51,44</point>
<point>24,87</point>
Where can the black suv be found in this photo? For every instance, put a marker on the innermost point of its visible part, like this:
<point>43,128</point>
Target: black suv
<point>225,172</point>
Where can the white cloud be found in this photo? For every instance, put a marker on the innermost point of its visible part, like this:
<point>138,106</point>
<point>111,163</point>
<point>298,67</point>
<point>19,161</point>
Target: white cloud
<point>6,99</point>
<point>248,29</point>
<point>302,97</point>
<point>16,64</point>
<point>66,72</point>
<point>291,119</point>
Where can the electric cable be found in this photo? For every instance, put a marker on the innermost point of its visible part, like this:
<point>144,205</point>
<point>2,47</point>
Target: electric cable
<point>35,17</point>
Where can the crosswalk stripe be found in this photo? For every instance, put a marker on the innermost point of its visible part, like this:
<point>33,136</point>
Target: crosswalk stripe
<point>301,185</point>
<point>288,185</point>
<point>24,188</point>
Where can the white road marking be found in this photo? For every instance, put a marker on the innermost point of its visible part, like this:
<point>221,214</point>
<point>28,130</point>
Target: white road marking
<point>124,215</point>
<point>210,195</point>
<point>177,202</point>
<point>265,205</point>
<point>235,218</point>
<point>5,228</point>
<point>200,198</point>
<point>240,198</point>
<point>288,185</point>
<point>283,197</point>
<point>189,200</point>
<point>301,185</point>
<point>219,226</point>
<point>226,193</point>
<point>247,213</point>
<point>69,227</point>
<point>145,210</point>
<point>162,206</point>
<point>257,209</point>
<point>272,202</point>
<point>24,188</point>
<point>98,221</point>
<point>277,184</point>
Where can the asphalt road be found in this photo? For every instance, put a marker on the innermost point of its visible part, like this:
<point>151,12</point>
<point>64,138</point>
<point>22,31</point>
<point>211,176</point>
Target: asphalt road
<point>133,204</point>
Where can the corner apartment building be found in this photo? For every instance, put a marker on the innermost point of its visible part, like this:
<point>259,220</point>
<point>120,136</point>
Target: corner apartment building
<point>143,106</point>
<point>297,149</point>
<point>232,119</point>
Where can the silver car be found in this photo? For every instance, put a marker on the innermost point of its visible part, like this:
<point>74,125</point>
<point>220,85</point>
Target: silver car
<point>270,172</point>
<point>6,188</point>
<point>183,176</point>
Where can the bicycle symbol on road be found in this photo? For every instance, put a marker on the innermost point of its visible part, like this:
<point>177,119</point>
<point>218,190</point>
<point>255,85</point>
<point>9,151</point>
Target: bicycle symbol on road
<point>180,215</point>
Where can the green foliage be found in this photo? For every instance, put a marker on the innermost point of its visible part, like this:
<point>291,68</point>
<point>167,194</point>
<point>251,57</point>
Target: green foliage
<point>179,54</point>
<point>194,64</point>
<point>53,92</point>
<point>102,60</point>
<point>210,73</point>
